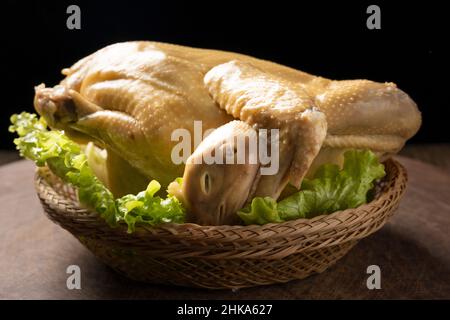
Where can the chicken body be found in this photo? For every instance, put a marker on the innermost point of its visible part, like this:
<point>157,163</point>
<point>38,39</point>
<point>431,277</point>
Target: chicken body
<point>130,97</point>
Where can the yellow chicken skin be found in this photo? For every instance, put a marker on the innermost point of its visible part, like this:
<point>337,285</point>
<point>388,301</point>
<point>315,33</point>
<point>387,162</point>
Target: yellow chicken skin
<point>129,98</point>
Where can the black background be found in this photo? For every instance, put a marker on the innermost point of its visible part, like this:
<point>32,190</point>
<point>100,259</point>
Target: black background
<point>327,39</point>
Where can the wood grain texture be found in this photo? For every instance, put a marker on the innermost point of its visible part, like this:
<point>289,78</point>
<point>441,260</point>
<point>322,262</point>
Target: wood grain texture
<point>412,250</point>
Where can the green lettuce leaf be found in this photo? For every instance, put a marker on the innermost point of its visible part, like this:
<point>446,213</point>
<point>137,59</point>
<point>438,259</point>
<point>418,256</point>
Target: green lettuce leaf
<point>261,211</point>
<point>146,208</point>
<point>331,189</point>
<point>66,159</point>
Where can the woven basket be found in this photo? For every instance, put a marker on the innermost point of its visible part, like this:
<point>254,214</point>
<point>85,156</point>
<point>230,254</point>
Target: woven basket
<point>218,257</point>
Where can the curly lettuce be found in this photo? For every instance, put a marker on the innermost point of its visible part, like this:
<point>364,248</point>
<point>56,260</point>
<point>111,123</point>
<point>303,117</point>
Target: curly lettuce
<point>66,159</point>
<point>331,189</point>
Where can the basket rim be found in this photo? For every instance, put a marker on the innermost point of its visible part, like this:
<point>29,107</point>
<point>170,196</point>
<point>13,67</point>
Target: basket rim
<point>302,227</point>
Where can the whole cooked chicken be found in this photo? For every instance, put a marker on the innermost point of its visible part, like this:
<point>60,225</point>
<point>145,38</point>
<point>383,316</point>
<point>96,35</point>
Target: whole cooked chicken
<point>130,97</point>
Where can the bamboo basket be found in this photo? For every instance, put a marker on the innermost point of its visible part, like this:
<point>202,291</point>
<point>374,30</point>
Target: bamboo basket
<point>219,257</point>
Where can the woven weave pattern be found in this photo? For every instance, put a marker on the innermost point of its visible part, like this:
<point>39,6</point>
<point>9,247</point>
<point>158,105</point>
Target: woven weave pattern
<point>219,257</point>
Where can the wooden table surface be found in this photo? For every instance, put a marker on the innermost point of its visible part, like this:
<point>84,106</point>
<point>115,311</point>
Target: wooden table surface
<point>412,250</point>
